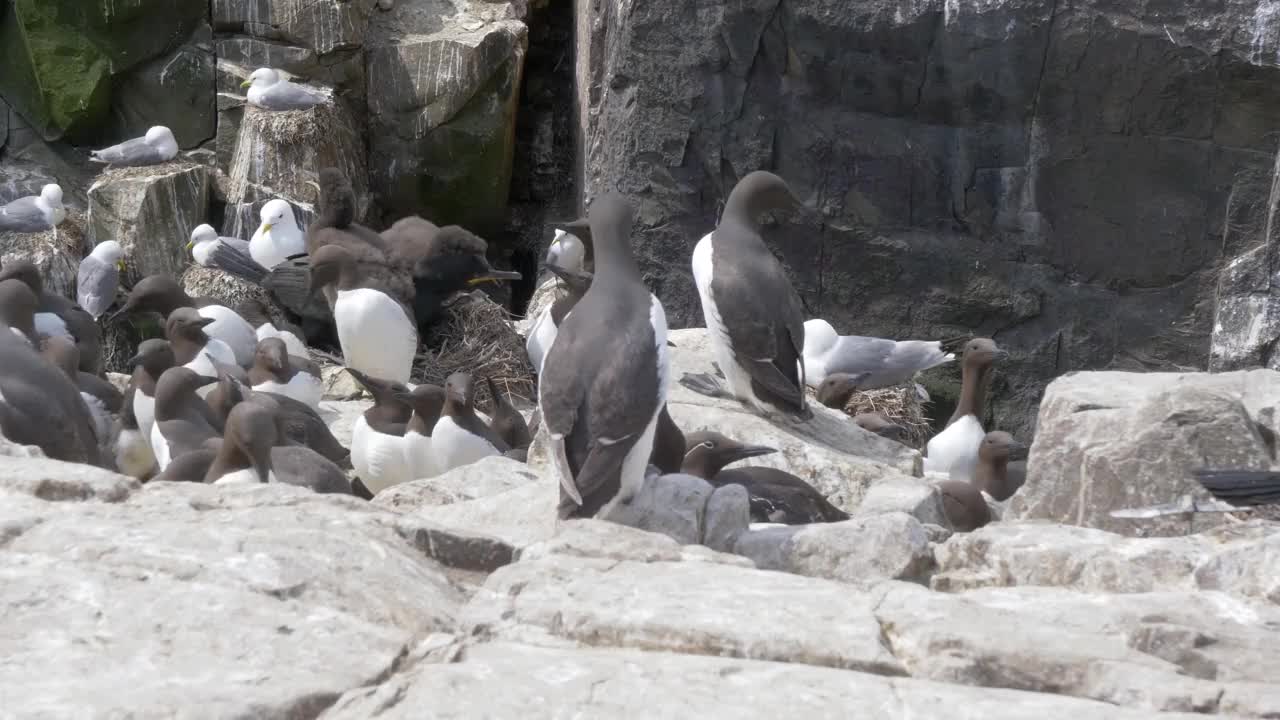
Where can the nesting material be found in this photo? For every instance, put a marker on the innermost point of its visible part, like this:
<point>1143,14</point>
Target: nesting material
<point>56,253</point>
<point>899,404</point>
<point>479,338</point>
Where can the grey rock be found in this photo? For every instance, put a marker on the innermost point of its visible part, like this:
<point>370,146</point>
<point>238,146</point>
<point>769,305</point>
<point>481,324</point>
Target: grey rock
<point>325,592</point>
<point>56,254</point>
<point>1160,651</point>
<point>608,540</point>
<point>150,211</point>
<point>442,96</point>
<point>490,476</point>
<point>338,383</point>
<point>672,505</point>
<point>1109,441</point>
<point>727,517</point>
<point>916,497</point>
<point>175,90</point>
<point>861,551</point>
<point>238,56</point>
<point>319,26</point>
<point>695,608</point>
<point>1239,560</point>
<point>25,470</point>
<point>504,679</point>
<point>522,515</point>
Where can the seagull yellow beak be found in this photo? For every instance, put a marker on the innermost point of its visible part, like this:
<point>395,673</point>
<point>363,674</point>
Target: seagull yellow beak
<point>266,227</point>
<point>246,83</point>
<point>481,280</point>
<point>190,245</point>
<point>120,265</point>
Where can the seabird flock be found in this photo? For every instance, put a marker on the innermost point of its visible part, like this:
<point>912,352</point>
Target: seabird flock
<point>223,400</point>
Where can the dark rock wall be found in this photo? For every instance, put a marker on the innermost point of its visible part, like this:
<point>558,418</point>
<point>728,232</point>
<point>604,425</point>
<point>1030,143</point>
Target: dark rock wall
<point>1061,175</point>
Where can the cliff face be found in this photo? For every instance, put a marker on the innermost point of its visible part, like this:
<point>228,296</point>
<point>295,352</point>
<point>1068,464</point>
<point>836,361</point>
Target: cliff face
<point>1066,176</point>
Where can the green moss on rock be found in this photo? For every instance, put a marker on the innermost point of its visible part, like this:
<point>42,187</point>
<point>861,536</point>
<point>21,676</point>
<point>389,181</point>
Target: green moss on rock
<point>59,55</point>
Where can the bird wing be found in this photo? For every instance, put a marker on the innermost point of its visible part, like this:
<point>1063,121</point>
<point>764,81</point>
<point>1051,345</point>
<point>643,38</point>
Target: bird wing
<point>1242,488</point>
<point>23,215</point>
<point>764,307</point>
<point>96,284</point>
<point>289,96</point>
<point>129,152</point>
<point>235,261</point>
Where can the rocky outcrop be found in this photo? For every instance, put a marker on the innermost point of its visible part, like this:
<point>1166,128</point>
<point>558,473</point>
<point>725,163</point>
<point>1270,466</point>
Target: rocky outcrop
<point>977,166</point>
<point>442,140</point>
<point>1111,441</point>
<point>172,90</point>
<point>61,56</point>
<point>56,253</point>
<point>861,551</point>
<point>150,211</point>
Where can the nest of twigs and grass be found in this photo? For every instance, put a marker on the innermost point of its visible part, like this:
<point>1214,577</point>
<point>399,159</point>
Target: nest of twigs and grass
<point>478,338</point>
<point>899,404</point>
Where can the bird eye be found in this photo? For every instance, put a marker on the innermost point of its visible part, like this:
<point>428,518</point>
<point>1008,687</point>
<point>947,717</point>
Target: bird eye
<point>707,444</point>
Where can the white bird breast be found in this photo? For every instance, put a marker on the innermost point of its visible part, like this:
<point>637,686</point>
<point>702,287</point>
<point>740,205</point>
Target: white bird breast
<point>419,453</point>
<point>376,334</point>
<point>954,451</point>
<point>456,447</point>
<point>377,458</point>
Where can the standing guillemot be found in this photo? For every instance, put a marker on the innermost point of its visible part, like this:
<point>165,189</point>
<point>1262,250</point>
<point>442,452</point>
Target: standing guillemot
<point>506,421</point>
<point>1001,466</point>
<point>604,381</point>
<point>132,447</point>
<point>775,496</point>
<point>882,362</point>
<point>18,311</point>
<point>427,402</point>
<point>276,371</point>
<point>460,437</point>
<point>377,332</point>
<point>544,329</point>
<point>253,452</point>
<point>162,294</point>
<point>192,347</point>
<point>377,439</point>
<point>954,451</point>
<point>40,406</point>
<point>98,277</point>
<point>100,397</point>
<point>299,423</point>
<point>754,317</point>
<point>183,421</point>
<point>149,363</point>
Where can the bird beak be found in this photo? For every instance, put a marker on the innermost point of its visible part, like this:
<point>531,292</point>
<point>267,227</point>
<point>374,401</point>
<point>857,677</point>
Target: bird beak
<point>494,276</point>
<point>1018,451</point>
<point>190,245</point>
<point>205,379</point>
<point>120,265</point>
<point>403,396</point>
<point>133,361</point>
<point>266,227</point>
<point>1002,354</point>
<point>204,322</point>
<point>750,451</point>
<point>246,83</point>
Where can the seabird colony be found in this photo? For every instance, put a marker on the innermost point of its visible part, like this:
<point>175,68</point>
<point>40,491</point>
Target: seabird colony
<point>231,395</point>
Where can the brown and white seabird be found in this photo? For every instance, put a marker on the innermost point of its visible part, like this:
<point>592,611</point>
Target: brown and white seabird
<point>427,402</point>
<point>506,421</point>
<point>604,381</point>
<point>183,420</point>
<point>276,371</point>
<point>954,451</point>
<point>149,363</point>
<point>754,317</point>
<point>376,331</point>
<point>775,496</point>
<point>193,347</point>
<point>251,452</point>
<point>161,294</point>
<point>299,423</point>
<point>460,437</point>
<point>377,439</point>
<point>101,397</point>
<point>1001,466</point>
